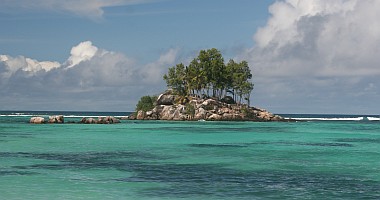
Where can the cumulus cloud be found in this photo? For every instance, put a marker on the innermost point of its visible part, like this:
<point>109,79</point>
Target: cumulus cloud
<point>13,64</point>
<point>328,38</point>
<point>82,52</point>
<point>93,9</point>
<point>316,51</point>
<point>91,79</point>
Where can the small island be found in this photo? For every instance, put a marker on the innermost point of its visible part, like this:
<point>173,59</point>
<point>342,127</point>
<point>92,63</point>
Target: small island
<point>206,89</point>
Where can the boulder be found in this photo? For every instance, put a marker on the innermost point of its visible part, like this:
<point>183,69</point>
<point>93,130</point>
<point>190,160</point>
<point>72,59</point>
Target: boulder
<point>83,120</point>
<point>224,110</point>
<point>107,120</point>
<point>90,120</point>
<point>37,120</point>
<point>56,119</point>
<point>154,114</point>
<point>132,116</point>
<point>140,115</point>
<point>266,116</point>
<point>114,120</point>
<point>215,117</point>
<point>102,120</point>
<point>228,116</point>
<point>180,113</point>
<point>200,113</point>
<point>209,102</point>
<point>277,118</point>
<point>149,113</point>
<point>182,109</point>
<point>167,113</point>
<point>166,99</point>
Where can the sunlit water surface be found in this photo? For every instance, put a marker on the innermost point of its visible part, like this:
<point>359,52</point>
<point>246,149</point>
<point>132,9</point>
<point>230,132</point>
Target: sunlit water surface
<point>190,160</point>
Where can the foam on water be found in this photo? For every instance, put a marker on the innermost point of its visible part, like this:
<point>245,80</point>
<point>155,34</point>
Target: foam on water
<point>65,114</point>
<point>332,119</point>
<point>373,118</point>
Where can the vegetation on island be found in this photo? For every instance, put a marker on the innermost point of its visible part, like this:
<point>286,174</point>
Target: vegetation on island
<point>146,103</point>
<point>206,89</point>
<point>208,76</point>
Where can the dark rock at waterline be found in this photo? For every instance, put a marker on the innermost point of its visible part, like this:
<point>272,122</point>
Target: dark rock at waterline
<point>100,120</point>
<point>89,120</point>
<point>59,119</point>
<point>107,120</point>
<point>56,119</point>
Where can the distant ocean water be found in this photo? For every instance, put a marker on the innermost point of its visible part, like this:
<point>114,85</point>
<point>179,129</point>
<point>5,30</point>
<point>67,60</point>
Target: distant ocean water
<point>325,157</point>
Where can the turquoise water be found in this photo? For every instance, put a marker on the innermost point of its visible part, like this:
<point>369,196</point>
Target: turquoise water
<point>190,160</point>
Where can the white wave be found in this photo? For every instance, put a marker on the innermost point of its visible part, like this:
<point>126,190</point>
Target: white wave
<point>65,116</point>
<point>331,119</point>
<point>373,118</point>
<point>17,115</point>
<point>93,116</point>
<point>79,116</point>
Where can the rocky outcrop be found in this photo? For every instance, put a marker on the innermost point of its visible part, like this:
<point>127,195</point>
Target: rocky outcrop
<point>203,109</point>
<point>56,119</point>
<point>166,99</point>
<point>37,120</point>
<point>108,120</point>
<point>100,120</point>
<point>140,115</point>
<point>89,120</point>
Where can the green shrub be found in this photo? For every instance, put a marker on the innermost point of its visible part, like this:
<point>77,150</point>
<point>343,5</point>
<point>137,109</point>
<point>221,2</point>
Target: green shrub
<point>146,103</point>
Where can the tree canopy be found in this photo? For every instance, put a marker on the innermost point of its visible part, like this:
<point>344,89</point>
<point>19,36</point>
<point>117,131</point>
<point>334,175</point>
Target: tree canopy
<point>146,103</point>
<point>208,75</point>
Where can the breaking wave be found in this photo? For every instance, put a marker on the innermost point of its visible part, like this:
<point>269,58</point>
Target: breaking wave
<point>321,117</point>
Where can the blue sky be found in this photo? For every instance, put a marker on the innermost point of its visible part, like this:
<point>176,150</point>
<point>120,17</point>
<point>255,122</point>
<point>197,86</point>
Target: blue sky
<point>312,56</point>
<point>140,30</point>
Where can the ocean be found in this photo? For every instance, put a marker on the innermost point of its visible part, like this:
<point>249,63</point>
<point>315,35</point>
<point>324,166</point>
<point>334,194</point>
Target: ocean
<point>323,157</point>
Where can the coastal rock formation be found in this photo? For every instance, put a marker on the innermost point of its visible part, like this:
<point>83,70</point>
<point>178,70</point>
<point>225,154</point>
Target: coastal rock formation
<point>59,119</point>
<point>140,115</point>
<point>195,108</point>
<point>56,119</point>
<point>89,120</point>
<point>100,120</point>
<point>108,120</point>
<point>37,120</point>
<point>165,99</point>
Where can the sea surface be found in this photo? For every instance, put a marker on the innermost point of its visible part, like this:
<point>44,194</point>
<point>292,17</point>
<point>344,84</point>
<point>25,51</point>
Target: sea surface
<point>324,157</point>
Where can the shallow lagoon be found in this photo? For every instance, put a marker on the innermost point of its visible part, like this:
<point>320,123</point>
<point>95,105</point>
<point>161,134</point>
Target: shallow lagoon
<point>190,160</point>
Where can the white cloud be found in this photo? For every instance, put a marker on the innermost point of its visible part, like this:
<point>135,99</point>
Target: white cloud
<point>312,51</point>
<point>13,64</point>
<point>89,79</point>
<point>99,67</point>
<point>82,52</point>
<point>325,38</point>
<point>93,9</point>
<point>154,71</point>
